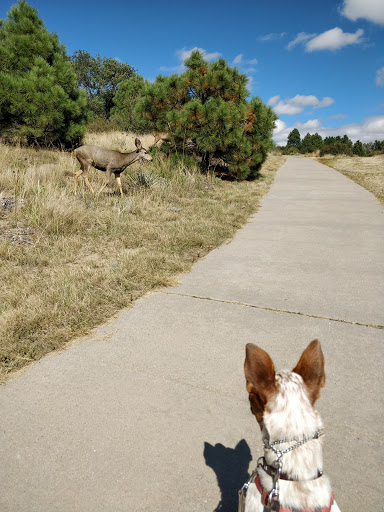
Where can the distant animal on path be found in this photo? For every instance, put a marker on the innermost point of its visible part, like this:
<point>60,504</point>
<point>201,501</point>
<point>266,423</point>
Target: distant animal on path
<point>107,160</point>
<point>289,477</point>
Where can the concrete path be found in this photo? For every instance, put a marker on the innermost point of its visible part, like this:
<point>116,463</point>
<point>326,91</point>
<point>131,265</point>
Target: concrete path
<point>150,413</point>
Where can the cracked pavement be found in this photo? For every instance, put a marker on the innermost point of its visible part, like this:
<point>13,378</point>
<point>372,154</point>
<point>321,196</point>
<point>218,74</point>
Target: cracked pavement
<point>150,412</point>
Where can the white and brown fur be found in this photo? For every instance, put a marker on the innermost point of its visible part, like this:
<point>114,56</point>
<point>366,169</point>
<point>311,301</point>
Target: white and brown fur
<point>283,405</point>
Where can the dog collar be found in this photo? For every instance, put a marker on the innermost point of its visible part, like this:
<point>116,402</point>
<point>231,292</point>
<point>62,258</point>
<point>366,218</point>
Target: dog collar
<point>271,471</point>
<point>278,463</point>
<point>273,503</point>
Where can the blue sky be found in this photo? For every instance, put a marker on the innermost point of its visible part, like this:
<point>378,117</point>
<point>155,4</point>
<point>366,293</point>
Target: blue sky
<point>319,64</point>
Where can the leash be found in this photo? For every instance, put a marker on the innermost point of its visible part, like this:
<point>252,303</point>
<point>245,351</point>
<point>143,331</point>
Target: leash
<point>270,499</point>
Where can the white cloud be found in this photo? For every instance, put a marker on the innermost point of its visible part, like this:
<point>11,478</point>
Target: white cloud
<point>245,65</point>
<point>303,36</point>
<point>325,102</point>
<point>370,129</point>
<point>249,83</point>
<point>311,125</point>
<point>338,116</point>
<point>184,54</point>
<point>334,39</point>
<point>288,109</point>
<point>272,36</point>
<point>237,60</point>
<point>372,10</point>
<point>279,133</point>
<point>380,77</point>
<point>297,104</point>
<point>240,61</point>
<point>272,101</point>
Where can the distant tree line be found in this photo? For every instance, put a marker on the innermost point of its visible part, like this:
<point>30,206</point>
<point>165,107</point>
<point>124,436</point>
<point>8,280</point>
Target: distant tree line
<point>330,145</point>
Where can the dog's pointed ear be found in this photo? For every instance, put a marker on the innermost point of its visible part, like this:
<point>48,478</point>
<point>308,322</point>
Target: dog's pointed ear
<point>311,368</point>
<point>260,373</point>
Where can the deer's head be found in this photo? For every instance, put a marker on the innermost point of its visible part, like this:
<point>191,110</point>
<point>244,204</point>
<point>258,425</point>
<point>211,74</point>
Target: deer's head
<point>142,152</point>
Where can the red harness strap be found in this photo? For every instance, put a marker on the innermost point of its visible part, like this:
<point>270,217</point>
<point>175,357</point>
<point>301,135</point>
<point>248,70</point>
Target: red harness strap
<point>265,494</point>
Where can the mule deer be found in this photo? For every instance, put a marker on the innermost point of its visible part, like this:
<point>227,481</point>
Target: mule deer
<point>166,137</point>
<point>108,161</point>
<point>160,136</point>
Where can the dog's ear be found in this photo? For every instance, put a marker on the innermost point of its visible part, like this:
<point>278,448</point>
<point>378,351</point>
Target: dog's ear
<point>260,374</point>
<point>311,368</point>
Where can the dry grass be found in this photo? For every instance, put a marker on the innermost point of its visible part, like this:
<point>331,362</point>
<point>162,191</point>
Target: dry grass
<point>68,264</point>
<point>366,171</point>
<point>118,141</point>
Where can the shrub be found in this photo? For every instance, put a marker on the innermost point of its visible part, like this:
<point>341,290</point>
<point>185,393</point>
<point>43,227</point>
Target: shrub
<point>101,125</point>
<point>291,150</point>
<point>336,148</point>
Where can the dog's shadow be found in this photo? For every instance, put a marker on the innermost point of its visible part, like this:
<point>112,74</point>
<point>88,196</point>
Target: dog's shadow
<point>231,468</point>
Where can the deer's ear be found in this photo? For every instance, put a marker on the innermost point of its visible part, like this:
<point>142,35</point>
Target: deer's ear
<point>260,374</point>
<point>311,367</point>
<point>138,143</point>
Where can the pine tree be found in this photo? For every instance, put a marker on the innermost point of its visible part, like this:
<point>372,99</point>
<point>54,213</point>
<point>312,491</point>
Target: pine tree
<point>358,149</point>
<point>307,145</point>
<point>128,94</point>
<point>317,141</point>
<point>378,146</point>
<point>346,140</point>
<point>39,97</point>
<point>311,143</point>
<point>207,107</point>
<point>294,138</point>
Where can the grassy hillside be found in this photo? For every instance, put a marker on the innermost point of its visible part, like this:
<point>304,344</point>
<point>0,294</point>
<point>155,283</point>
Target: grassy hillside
<point>69,263</point>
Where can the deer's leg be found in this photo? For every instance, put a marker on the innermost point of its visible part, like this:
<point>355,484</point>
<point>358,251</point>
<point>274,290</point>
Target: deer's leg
<point>87,183</point>
<point>77,174</point>
<point>83,171</point>
<point>118,179</point>
<point>107,181</point>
